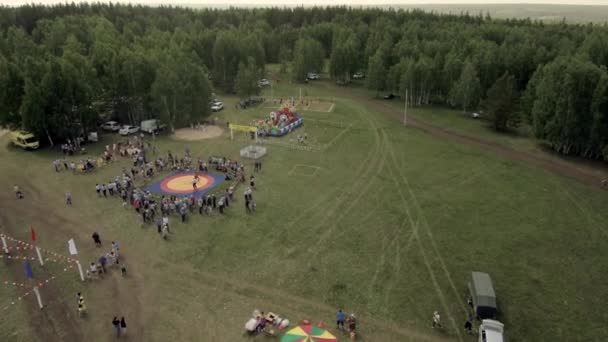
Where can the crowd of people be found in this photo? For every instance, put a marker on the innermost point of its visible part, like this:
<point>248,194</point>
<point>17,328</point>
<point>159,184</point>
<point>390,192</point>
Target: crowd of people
<point>98,268</point>
<point>157,209</point>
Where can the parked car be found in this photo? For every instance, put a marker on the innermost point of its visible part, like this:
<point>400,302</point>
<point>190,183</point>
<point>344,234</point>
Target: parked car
<point>263,82</point>
<point>483,297</point>
<point>389,96</point>
<point>127,129</point>
<point>491,331</point>
<point>152,126</point>
<point>341,82</point>
<point>312,76</point>
<point>25,140</point>
<point>111,126</point>
<point>217,106</point>
<point>358,75</point>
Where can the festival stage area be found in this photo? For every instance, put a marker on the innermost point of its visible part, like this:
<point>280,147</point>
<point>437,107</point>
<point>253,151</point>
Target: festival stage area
<point>180,184</point>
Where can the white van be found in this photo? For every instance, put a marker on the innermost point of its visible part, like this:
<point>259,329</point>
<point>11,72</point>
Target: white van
<point>152,126</point>
<point>491,331</point>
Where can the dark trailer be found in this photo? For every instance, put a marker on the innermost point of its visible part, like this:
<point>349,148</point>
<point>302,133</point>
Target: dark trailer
<point>482,295</point>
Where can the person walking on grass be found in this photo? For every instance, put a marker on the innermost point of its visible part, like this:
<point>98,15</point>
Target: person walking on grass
<point>104,190</point>
<point>98,190</point>
<point>68,198</point>
<point>340,318</point>
<point>96,239</point>
<point>123,325</point>
<point>436,320</point>
<point>116,325</point>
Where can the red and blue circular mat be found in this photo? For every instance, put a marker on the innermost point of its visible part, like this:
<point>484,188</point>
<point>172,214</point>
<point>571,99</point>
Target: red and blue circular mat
<point>180,184</point>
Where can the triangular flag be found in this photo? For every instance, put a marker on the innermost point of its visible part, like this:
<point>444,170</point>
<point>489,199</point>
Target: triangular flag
<point>72,247</point>
<point>28,270</point>
<point>33,234</point>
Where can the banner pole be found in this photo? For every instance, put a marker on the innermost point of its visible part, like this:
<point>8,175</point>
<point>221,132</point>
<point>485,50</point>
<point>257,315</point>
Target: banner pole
<point>80,270</point>
<point>4,245</point>
<point>37,292</point>
<point>39,256</point>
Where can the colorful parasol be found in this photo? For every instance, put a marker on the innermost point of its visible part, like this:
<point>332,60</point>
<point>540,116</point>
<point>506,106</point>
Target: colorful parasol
<point>308,333</point>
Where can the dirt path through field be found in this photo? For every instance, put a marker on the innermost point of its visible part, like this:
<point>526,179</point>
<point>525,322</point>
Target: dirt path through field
<point>58,321</point>
<point>586,172</point>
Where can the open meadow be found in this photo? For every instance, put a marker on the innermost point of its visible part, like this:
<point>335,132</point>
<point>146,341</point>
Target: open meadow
<point>378,219</point>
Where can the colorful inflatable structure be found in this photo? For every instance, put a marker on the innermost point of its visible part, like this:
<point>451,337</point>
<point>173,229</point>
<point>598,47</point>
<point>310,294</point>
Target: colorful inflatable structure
<point>278,123</point>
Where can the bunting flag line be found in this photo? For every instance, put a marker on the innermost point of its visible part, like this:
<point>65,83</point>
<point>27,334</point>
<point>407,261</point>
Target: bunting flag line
<point>30,246</point>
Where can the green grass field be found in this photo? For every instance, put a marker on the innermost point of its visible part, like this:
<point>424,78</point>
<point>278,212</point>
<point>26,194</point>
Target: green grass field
<point>389,226</point>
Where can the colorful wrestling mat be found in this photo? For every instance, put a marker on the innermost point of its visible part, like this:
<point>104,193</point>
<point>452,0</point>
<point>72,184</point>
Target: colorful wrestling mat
<point>180,184</point>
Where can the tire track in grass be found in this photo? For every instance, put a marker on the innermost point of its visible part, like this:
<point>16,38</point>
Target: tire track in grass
<point>363,169</point>
<point>429,234</point>
<point>425,258</point>
<point>379,165</point>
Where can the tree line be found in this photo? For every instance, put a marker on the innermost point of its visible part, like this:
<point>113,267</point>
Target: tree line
<point>64,67</point>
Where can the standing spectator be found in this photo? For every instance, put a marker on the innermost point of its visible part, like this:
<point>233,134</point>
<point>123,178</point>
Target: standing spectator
<point>213,201</point>
<point>102,262</point>
<point>252,182</point>
<point>96,239</point>
<point>436,320</point>
<point>115,248</point>
<point>18,192</point>
<point>340,318</point>
<point>352,322</point>
<point>123,325</point>
<point>182,212</point>
<point>98,190</point>
<point>159,224</point>
<point>199,203</point>
<point>227,199</point>
<point>104,190</point>
<point>166,222</point>
<point>116,324</point>
<point>68,198</point>
<point>165,231</point>
<point>221,205</point>
<point>468,326</point>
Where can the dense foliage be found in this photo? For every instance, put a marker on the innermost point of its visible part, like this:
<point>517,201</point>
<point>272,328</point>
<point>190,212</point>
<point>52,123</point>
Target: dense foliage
<point>64,67</point>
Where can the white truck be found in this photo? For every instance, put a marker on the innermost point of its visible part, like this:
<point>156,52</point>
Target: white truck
<point>491,331</point>
<point>152,126</point>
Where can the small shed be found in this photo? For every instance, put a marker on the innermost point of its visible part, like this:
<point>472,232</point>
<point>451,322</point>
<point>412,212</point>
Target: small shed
<point>482,295</point>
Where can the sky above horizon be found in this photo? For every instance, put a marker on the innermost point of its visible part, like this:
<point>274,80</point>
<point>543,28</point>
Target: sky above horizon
<point>319,2</point>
